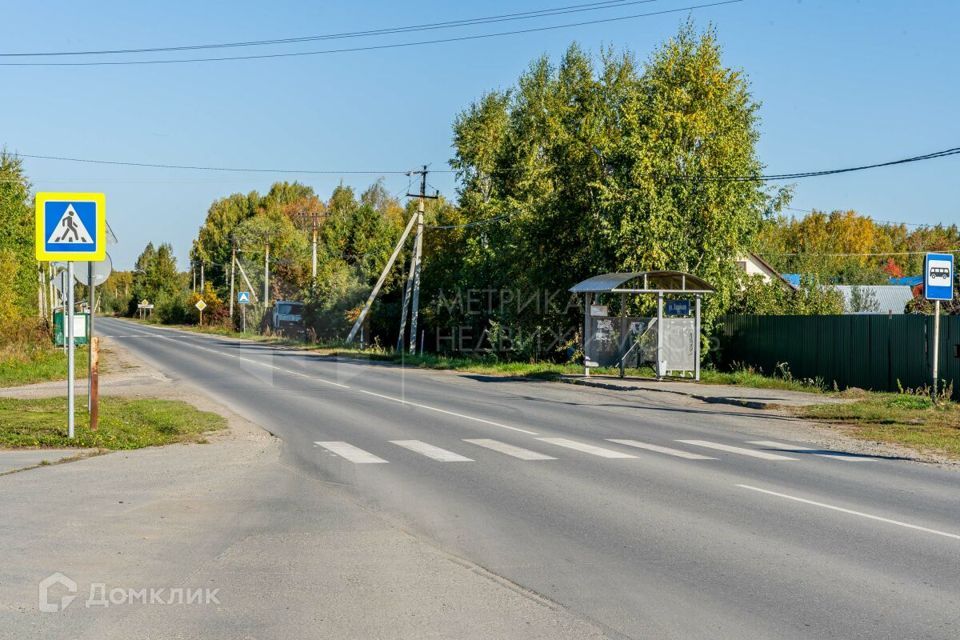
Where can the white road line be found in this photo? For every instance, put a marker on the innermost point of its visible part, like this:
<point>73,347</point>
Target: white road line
<point>444,411</point>
<point>851,512</point>
<point>586,448</point>
<point>509,449</point>
<point>369,393</point>
<point>763,455</point>
<point>258,363</point>
<point>435,453</point>
<point>351,453</point>
<point>835,455</point>
<point>667,450</point>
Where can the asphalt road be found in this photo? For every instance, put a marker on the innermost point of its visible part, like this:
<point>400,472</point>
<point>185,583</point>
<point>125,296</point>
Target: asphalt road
<point>698,523</point>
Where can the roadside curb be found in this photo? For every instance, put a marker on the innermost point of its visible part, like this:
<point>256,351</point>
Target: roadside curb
<point>736,402</point>
<point>79,454</point>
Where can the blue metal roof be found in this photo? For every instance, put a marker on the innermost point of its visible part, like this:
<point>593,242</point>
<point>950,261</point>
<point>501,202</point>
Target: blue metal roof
<point>792,278</point>
<point>910,281</point>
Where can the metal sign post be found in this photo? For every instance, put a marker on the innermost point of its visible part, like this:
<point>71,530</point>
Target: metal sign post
<point>937,286</point>
<point>70,227</point>
<point>90,303</point>
<point>201,305</point>
<point>71,347</point>
<point>243,299</point>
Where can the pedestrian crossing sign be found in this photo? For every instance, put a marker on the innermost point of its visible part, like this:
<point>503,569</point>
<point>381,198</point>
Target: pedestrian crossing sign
<point>71,226</point>
<point>243,297</point>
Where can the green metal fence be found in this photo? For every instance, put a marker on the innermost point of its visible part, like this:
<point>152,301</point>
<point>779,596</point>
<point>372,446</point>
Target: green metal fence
<point>867,351</point>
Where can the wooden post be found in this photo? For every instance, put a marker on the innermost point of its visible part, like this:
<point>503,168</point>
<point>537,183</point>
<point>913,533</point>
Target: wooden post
<point>94,382</point>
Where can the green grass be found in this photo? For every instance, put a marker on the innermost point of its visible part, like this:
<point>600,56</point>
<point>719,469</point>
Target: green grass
<point>38,364</point>
<point>124,423</point>
<point>748,378</point>
<point>906,419</point>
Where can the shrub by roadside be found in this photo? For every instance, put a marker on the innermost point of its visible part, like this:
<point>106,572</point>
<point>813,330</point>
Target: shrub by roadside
<point>124,423</point>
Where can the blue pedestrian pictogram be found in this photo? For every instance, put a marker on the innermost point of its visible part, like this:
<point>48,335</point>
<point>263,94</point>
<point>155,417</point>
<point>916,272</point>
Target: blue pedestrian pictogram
<point>70,226</point>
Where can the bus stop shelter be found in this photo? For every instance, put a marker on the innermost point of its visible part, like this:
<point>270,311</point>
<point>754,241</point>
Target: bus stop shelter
<point>670,341</point>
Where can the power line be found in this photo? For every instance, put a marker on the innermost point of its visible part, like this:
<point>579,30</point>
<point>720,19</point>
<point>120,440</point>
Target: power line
<point>757,178</point>
<point>778,177</point>
<point>153,165</point>
<point>449,24</point>
<point>813,174</point>
<point>853,254</point>
<point>894,222</point>
<point>417,43</point>
<point>465,225</point>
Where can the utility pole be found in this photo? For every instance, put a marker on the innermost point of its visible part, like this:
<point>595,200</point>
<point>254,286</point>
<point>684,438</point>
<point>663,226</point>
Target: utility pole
<point>233,262</point>
<point>313,255</point>
<point>266,278</point>
<point>413,279</point>
<point>201,277</point>
<point>417,256</point>
<point>358,323</point>
<point>406,303</point>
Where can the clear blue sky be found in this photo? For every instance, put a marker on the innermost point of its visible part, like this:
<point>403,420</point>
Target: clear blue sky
<point>841,83</point>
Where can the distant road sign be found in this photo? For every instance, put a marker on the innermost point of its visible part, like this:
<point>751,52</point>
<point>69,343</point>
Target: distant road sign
<point>201,305</point>
<point>71,226</point>
<point>243,297</point>
<point>938,276</point>
<point>101,271</point>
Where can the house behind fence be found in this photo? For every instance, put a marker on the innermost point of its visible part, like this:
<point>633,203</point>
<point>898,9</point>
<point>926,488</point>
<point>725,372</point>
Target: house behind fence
<point>868,351</point>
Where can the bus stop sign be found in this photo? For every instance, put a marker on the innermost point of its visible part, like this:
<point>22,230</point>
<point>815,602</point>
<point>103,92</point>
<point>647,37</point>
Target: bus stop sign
<point>938,276</point>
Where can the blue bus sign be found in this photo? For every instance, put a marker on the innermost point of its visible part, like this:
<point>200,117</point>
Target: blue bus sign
<point>938,276</point>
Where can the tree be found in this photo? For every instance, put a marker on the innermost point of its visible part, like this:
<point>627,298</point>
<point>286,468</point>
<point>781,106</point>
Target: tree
<point>16,237</point>
<point>288,252</point>
<point>773,298</point>
<point>850,248</point>
<point>589,168</point>
<point>155,278</point>
<point>115,293</point>
<point>214,242</point>
<point>863,300</point>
